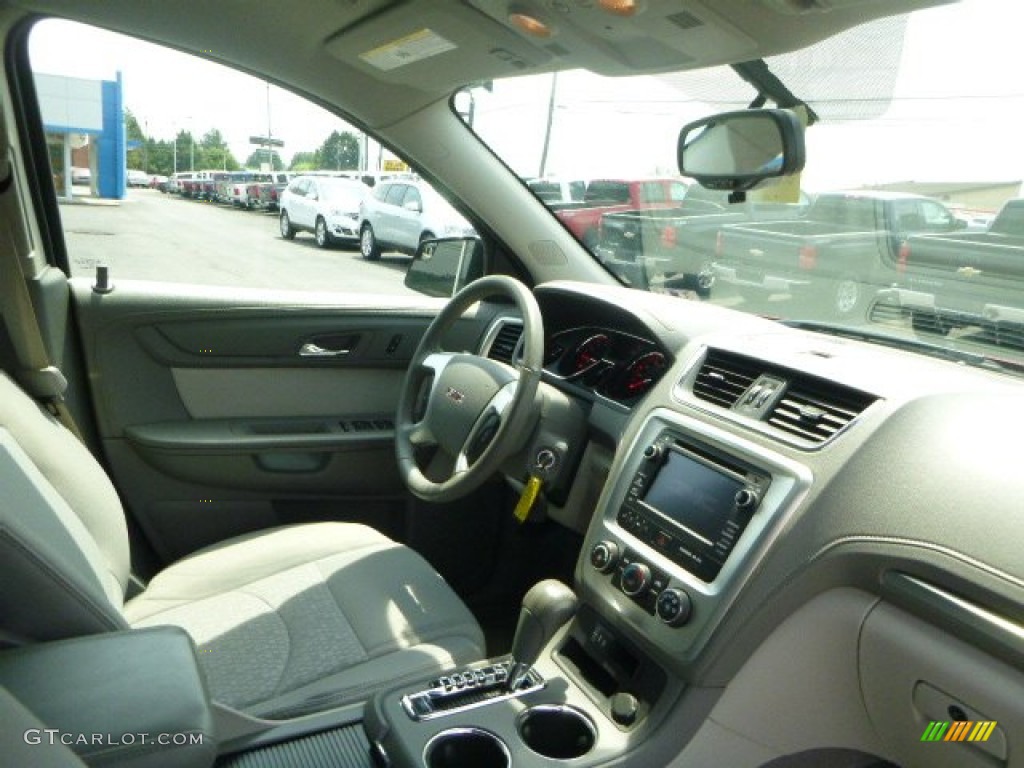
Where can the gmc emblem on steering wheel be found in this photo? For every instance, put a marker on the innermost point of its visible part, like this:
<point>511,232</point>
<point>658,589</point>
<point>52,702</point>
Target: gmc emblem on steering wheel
<point>455,395</point>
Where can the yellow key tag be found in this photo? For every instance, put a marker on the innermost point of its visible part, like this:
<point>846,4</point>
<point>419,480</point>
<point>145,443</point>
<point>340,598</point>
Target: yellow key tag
<point>528,499</point>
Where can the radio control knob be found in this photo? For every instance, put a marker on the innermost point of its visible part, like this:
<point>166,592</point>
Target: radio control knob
<point>673,607</point>
<point>604,556</point>
<point>636,578</point>
<point>745,499</point>
<point>652,451</point>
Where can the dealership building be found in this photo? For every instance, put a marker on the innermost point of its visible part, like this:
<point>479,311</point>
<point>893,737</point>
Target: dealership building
<point>85,134</point>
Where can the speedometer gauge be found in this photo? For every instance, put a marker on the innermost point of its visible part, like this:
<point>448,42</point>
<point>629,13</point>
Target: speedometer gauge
<point>590,353</point>
<point>641,374</point>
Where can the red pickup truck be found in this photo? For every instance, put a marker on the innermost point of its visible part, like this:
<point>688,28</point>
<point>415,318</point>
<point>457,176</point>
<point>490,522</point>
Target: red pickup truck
<point>612,195</point>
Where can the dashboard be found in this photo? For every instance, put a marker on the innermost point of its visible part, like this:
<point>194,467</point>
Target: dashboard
<point>757,466</point>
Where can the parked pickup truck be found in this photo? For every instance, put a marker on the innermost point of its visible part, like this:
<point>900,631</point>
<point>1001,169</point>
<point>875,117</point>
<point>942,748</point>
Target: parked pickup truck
<point>264,189</point>
<point>583,218</point>
<point>964,279</point>
<point>672,249</point>
<point>845,246</point>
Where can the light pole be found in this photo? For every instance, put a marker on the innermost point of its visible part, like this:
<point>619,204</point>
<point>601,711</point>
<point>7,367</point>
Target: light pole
<point>547,129</point>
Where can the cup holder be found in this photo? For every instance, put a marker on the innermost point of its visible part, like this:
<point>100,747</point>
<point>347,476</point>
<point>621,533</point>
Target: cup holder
<point>557,732</point>
<point>466,748</point>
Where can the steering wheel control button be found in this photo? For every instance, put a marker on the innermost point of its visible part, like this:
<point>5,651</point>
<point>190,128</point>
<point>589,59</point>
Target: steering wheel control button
<point>605,556</point>
<point>484,436</point>
<point>636,578</point>
<point>674,607</point>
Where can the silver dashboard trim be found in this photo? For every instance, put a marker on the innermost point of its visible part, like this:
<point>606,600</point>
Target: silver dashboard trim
<point>791,481</point>
<point>997,628</point>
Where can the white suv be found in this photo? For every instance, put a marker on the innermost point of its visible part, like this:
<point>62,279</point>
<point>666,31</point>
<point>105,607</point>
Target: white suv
<point>324,205</point>
<point>398,215</point>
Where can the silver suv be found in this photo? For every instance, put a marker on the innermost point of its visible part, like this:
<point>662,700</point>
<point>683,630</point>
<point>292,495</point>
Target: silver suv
<point>324,205</point>
<point>398,215</point>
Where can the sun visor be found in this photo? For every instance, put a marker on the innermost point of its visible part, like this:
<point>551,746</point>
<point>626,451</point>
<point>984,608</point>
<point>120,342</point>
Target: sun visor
<point>423,46</point>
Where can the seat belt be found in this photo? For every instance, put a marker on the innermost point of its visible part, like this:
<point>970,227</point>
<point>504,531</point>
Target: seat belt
<point>35,372</point>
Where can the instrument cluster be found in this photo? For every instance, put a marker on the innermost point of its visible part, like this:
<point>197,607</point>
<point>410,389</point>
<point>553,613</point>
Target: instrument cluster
<point>615,365</point>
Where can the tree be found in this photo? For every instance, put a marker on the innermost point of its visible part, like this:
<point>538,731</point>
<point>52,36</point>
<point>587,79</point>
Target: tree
<point>339,152</point>
<point>137,158</point>
<point>213,139</point>
<point>184,151</point>
<point>303,161</point>
<point>159,157</point>
<point>260,156</point>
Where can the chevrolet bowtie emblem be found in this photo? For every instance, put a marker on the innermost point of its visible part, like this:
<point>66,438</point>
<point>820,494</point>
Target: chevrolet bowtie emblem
<point>968,271</point>
<point>455,395</point>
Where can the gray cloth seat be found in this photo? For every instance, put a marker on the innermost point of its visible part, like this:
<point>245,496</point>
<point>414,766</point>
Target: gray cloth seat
<point>287,621</point>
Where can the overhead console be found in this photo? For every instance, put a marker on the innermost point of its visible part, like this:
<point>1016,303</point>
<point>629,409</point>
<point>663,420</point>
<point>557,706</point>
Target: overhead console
<point>692,510</point>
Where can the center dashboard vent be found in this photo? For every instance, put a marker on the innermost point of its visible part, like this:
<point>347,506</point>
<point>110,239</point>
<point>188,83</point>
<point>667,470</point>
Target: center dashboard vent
<point>723,378</point>
<point>802,406</point>
<point>503,347</point>
<point>816,410</point>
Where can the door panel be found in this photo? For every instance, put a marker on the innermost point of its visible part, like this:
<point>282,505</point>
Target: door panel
<point>286,392</point>
<point>214,424</point>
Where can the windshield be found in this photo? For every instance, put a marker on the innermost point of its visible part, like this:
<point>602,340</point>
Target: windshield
<point>905,221</point>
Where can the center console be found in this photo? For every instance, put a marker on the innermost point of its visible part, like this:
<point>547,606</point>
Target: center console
<point>571,690</point>
<point>693,509</point>
<point>690,512</point>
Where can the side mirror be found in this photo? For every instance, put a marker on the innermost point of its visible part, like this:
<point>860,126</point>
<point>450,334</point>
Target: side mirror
<point>735,151</point>
<point>443,266</point>
<point>414,206</point>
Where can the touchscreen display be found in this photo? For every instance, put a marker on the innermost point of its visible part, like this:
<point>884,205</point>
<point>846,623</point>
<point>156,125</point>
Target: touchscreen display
<point>693,495</point>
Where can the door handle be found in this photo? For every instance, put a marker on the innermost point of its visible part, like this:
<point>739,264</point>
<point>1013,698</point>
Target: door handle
<point>310,349</point>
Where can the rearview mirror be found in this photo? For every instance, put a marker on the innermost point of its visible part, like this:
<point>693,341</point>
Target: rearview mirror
<point>442,267</point>
<point>735,151</point>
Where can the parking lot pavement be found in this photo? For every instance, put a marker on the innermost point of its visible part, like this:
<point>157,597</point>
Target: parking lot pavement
<point>153,236</point>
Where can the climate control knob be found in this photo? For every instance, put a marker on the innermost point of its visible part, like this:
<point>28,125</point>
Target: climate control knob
<point>673,607</point>
<point>636,578</point>
<point>604,556</point>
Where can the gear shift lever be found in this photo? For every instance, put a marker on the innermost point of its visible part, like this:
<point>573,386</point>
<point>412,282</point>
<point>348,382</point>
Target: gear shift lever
<point>546,607</point>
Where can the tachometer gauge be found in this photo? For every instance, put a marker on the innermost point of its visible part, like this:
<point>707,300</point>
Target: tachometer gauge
<point>641,374</point>
<point>589,353</point>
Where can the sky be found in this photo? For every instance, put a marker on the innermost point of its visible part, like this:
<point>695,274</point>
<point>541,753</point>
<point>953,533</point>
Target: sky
<point>959,102</point>
<point>169,91</point>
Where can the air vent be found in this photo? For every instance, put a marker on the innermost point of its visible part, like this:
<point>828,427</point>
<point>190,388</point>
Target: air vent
<point>505,342</point>
<point>815,410</point>
<point>724,377</point>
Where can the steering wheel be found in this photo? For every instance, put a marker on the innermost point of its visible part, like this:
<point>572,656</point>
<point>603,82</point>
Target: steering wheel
<point>476,412</point>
